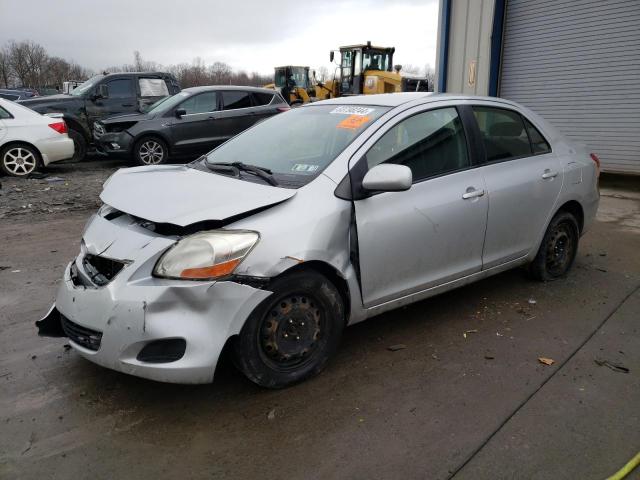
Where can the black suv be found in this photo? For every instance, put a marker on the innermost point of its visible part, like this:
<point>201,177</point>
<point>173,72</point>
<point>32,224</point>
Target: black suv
<point>189,123</point>
<point>103,96</point>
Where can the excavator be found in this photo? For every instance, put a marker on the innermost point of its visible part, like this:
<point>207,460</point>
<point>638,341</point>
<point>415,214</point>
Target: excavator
<point>362,70</point>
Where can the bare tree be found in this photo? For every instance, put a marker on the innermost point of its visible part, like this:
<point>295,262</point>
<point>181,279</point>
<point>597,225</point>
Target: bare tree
<point>5,67</point>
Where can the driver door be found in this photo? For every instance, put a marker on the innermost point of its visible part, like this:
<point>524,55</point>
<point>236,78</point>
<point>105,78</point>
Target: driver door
<point>432,233</point>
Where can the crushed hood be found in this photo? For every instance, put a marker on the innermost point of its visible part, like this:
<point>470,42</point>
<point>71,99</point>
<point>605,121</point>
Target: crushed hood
<point>181,195</point>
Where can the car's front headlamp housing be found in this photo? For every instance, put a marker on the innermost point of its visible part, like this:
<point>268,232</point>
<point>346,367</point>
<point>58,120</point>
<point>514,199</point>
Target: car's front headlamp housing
<point>206,255</point>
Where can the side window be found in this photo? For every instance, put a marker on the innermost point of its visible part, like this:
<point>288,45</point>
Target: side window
<point>4,114</point>
<point>538,144</point>
<point>503,133</point>
<point>202,103</point>
<point>430,143</point>
<point>153,87</point>
<point>236,99</point>
<point>121,88</point>
<point>262,98</point>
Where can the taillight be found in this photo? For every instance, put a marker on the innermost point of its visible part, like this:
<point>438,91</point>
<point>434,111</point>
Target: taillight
<point>596,160</point>
<point>284,109</point>
<point>59,127</point>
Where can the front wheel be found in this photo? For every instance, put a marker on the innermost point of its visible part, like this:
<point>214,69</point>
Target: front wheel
<point>79,145</point>
<point>292,334</point>
<point>150,151</point>
<point>558,248</point>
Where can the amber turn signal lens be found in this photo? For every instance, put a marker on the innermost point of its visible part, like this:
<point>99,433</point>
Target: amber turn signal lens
<point>213,271</point>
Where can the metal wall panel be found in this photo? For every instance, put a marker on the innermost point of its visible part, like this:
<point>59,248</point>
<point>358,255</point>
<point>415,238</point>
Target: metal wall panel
<point>577,63</point>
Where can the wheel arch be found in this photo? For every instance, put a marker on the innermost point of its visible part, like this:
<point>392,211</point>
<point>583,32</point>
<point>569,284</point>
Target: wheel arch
<point>74,124</point>
<point>574,208</point>
<point>22,142</point>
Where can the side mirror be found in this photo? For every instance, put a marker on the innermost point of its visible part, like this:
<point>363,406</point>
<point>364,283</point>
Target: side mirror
<point>388,177</point>
<point>102,91</point>
<point>180,112</point>
<point>331,53</point>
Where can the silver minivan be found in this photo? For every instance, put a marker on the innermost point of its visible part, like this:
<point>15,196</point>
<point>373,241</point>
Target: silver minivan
<point>313,220</point>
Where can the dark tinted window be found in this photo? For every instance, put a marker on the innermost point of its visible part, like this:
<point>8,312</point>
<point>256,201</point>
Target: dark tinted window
<point>503,133</point>
<point>262,98</point>
<point>4,114</point>
<point>9,96</point>
<point>121,88</point>
<point>430,143</point>
<point>538,144</point>
<point>236,99</point>
<point>201,103</point>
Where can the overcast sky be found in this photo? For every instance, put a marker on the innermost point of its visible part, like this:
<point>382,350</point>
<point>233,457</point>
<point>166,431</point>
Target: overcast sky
<point>253,35</point>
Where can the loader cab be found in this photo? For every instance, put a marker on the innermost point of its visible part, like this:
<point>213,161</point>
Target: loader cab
<point>289,78</point>
<point>357,59</point>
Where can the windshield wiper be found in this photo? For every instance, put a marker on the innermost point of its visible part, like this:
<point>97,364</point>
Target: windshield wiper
<point>262,172</point>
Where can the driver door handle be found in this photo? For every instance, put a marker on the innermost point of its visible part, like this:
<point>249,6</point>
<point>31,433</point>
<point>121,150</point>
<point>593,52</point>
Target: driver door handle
<point>549,174</point>
<point>472,193</point>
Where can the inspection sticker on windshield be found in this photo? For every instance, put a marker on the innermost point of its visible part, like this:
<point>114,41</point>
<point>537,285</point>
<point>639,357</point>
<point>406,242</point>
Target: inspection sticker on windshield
<point>352,110</point>
<point>304,168</point>
<point>353,122</point>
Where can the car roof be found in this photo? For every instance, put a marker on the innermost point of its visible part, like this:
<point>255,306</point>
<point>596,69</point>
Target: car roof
<point>208,88</point>
<point>401,98</point>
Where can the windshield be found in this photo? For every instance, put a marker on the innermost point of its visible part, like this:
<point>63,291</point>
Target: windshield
<point>168,103</point>
<point>294,76</point>
<point>373,60</point>
<point>86,86</point>
<point>299,144</point>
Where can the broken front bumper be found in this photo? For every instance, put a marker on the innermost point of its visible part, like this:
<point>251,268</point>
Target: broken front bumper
<point>114,324</point>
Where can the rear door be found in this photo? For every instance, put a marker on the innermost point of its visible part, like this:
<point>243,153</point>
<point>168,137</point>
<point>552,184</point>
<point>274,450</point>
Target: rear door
<point>432,233</point>
<point>196,132</point>
<point>236,114</point>
<point>523,178</point>
<point>151,89</point>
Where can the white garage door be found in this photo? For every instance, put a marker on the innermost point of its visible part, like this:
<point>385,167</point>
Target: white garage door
<point>577,63</point>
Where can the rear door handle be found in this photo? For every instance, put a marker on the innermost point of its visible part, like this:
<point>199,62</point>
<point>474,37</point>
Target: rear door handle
<point>549,174</point>
<point>472,193</point>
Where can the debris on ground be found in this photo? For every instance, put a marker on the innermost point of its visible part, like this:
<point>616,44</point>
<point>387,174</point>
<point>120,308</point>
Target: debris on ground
<point>272,414</point>
<point>67,347</point>
<point>616,367</point>
<point>489,357</point>
<point>532,301</point>
<point>546,361</point>
<point>395,348</point>
<point>464,334</point>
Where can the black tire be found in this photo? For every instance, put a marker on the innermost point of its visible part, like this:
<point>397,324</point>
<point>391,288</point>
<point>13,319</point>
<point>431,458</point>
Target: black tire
<point>557,250</point>
<point>19,160</point>
<point>79,145</point>
<point>150,151</point>
<point>292,334</point>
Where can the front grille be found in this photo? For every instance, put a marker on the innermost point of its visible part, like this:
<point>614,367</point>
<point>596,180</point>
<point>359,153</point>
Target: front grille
<point>101,270</point>
<point>83,336</point>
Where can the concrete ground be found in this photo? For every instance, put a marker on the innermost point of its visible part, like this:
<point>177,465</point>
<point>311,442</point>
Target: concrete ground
<point>466,399</point>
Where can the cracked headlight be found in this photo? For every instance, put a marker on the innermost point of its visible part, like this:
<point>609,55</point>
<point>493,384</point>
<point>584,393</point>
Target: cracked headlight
<point>206,255</point>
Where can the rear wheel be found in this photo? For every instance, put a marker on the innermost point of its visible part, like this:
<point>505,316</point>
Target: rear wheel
<point>19,160</point>
<point>558,249</point>
<point>291,335</point>
<point>150,151</point>
<point>79,145</point>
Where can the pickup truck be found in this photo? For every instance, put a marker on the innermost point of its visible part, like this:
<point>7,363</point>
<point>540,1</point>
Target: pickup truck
<point>104,96</point>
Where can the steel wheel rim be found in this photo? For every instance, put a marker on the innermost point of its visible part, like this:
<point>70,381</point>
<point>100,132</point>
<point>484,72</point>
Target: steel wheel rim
<point>19,161</point>
<point>151,152</point>
<point>560,249</point>
<point>291,332</point>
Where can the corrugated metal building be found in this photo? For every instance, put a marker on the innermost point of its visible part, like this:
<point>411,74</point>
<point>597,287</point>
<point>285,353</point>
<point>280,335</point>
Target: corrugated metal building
<point>575,62</point>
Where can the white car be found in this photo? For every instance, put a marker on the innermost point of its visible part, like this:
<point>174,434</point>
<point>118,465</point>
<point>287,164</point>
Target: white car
<point>29,140</point>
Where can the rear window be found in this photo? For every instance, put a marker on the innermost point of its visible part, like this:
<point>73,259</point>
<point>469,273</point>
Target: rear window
<point>233,100</point>
<point>262,98</point>
<point>4,114</point>
<point>153,87</point>
<point>9,96</point>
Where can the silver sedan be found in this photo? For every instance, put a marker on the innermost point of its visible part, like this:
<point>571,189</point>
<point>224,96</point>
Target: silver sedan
<point>313,220</point>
